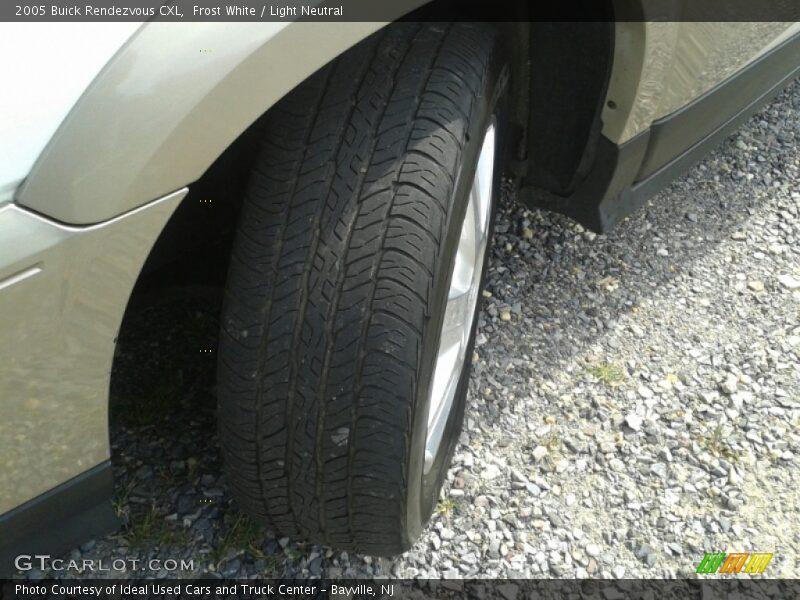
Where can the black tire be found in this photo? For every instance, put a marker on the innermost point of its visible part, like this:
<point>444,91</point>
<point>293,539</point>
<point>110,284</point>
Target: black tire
<point>337,285</point>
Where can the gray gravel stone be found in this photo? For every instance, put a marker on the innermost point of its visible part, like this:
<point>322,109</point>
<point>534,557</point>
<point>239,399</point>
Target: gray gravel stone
<point>634,421</point>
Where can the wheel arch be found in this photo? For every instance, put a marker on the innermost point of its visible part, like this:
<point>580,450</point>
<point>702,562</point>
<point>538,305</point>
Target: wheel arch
<point>174,98</point>
<point>168,105</point>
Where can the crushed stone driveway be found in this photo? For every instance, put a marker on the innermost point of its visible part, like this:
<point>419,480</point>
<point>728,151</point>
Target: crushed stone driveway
<point>635,400</point>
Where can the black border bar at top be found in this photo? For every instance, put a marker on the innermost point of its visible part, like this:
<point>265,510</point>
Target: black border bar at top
<point>391,10</point>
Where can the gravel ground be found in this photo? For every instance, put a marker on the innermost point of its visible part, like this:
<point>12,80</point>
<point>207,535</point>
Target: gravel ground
<point>635,400</point>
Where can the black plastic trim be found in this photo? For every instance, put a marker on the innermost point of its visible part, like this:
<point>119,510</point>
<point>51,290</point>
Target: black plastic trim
<point>569,75</point>
<point>59,519</point>
<point>624,177</point>
<point>707,114</point>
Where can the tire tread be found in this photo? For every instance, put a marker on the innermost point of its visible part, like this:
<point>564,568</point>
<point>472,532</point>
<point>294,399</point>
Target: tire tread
<point>330,281</point>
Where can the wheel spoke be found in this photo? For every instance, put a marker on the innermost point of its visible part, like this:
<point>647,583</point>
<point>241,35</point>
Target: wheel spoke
<point>462,274</point>
<point>459,309</point>
<point>461,299</point>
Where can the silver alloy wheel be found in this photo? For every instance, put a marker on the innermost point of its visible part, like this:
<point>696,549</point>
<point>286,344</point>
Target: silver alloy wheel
<point>461,299</point>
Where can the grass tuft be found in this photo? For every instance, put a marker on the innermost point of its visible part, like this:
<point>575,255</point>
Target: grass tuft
<point>243,534</point>
<point>152,529</point>
<point>446,507</point>
<point>610,374</point>
<point>718,446</point>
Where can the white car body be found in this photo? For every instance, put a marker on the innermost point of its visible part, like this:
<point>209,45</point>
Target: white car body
<point>65,57</point>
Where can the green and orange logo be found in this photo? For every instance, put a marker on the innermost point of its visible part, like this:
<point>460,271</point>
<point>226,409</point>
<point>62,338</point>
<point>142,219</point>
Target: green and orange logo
<point>736,562</point>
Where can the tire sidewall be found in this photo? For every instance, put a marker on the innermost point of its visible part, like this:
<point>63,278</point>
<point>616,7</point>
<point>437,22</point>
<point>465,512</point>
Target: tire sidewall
<point>423,488</point>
